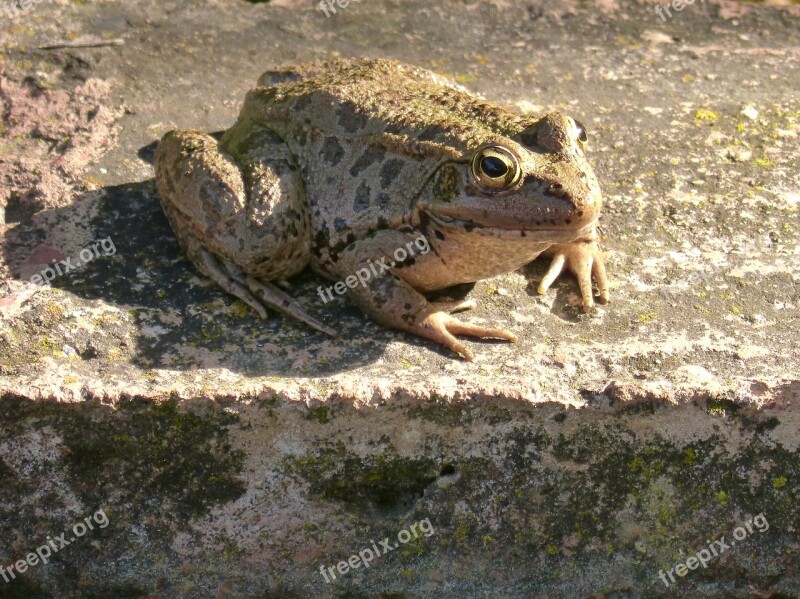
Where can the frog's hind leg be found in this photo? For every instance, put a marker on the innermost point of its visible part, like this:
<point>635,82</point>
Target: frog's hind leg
<point>212,200</point>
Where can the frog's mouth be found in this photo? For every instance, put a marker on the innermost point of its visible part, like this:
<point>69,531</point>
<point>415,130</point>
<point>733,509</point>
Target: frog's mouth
<point>538,234</point>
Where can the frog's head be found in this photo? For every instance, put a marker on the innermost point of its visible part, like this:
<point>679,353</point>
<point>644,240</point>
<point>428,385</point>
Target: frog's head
<point>537,181</point>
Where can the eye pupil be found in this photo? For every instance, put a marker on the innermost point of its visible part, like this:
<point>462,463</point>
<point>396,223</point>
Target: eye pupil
<point>493,167</point>
<point>582,135</point>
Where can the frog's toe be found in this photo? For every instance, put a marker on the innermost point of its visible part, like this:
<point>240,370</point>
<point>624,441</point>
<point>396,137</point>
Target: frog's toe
<point>454,306</point>
<point>599,272</point>
<point>586,261</point>
<point>441,328</point>
<point>272,296</point>
<point>556,266</point>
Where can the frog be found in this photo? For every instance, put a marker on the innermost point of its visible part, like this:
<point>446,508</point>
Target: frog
<point>335,165</point>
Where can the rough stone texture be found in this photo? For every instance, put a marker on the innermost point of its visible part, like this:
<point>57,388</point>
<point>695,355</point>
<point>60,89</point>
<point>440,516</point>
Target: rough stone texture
<point>234,457</point>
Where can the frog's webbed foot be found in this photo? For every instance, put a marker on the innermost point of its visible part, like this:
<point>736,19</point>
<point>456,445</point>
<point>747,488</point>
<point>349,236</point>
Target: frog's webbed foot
<point>256,294</point>
<point>584,259</point>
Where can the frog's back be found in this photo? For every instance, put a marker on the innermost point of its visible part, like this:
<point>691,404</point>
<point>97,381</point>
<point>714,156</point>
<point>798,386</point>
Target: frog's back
<point>358,97</point>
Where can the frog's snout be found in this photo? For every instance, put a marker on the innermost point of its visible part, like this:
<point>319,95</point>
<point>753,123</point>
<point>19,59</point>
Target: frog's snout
<point>569,201</point>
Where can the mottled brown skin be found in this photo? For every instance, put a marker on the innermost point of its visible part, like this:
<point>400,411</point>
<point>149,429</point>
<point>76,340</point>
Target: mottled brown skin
<point>339,164</point>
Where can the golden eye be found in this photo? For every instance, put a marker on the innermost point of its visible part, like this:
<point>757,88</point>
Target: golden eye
<point>495,168</point>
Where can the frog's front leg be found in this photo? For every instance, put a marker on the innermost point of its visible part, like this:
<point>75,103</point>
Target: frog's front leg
<point>389,300</point>
<point>584,259</point>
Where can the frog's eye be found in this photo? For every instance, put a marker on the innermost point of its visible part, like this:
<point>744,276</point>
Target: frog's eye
<point>495,168</point>
<point>581,134</point>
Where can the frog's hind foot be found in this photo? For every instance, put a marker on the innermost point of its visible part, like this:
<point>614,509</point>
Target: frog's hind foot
<point>254,293</point>
<point>274,297</point>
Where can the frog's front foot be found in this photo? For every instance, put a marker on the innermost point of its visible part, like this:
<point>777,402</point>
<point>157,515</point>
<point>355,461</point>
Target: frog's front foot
<point>584,259</point>
<point>440,327</point>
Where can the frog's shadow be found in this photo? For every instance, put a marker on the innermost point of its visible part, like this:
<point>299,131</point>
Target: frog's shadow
<point>184,321</point>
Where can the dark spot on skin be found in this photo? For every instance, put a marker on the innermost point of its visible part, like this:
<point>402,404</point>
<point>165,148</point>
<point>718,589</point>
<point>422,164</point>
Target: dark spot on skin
<point>431,132</point>
<point>468,227</point>
<point>580,213</point>
<point>383,200</point>
<point>322,239</point>
<point>340,224</point>
<point>378,300</point>
<point>439,234</point>
<point>553,222</point>
<point>337,249</point>
<point>407,306</point>
<point>370,156</point>
<point>332,152</point>
<point>523,234</point>
<point>286,303</point>
<point>538,223</point>
<point>383,223</point>
<point>394,128</point>
<point>390,170</point>
<point>361,201</point>
<point>567,221</point>
<point>410,261</point>
<point>303,102</point>
<point>350,119</point>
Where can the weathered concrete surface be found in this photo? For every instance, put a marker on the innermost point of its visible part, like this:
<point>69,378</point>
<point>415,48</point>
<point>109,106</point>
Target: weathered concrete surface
<point>577,463</point>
